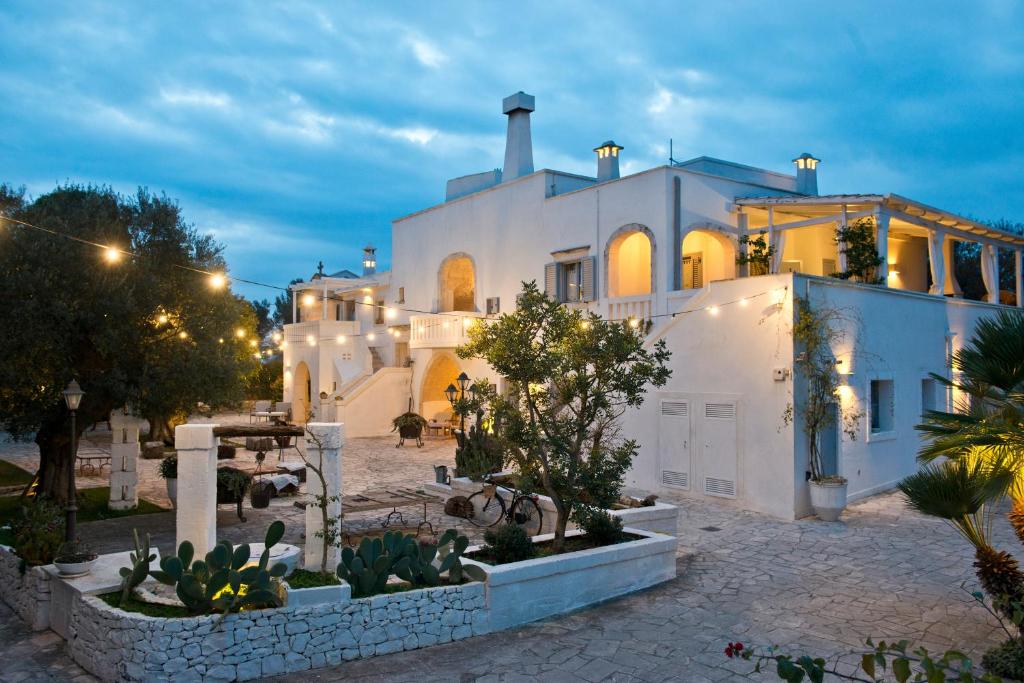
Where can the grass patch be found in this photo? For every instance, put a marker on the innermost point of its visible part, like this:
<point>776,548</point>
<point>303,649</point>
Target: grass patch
<point>92,506</point>
<point>147,608</point>
<point>303,578</point>
<point>547,548</point>
<point>12,475</point>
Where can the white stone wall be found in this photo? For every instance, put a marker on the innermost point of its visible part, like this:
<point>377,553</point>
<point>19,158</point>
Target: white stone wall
<point>118,646</point>
<point>27,594</point>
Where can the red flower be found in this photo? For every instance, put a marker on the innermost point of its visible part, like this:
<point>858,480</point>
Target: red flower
<point>733,650</point>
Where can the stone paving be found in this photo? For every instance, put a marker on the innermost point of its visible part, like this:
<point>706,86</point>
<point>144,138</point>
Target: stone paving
<point>884,571</point>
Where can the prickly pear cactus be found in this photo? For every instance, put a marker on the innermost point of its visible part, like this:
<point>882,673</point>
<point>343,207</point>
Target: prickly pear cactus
<point>137,573</point>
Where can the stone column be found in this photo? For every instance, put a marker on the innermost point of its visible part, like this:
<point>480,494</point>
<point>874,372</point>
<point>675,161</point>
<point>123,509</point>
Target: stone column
<point>124,458</point>
<point>882,243</point>
<point>323,450</point>
<point>196,514</point>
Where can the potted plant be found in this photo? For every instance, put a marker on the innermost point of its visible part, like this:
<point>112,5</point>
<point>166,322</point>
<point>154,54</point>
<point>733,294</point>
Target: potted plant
<point>232,486</point>
<point>815,332</point>
<point>168,469</point>
<point>409,425</point>
<point>74,559</point>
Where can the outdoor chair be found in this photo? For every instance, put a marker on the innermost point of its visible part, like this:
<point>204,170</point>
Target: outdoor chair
<point>441,424</point>
<point>260,410</point>
<point>283,411</point>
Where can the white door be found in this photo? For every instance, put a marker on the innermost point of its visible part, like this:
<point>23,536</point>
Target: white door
<point>674,444</point>
<point>718,448</point>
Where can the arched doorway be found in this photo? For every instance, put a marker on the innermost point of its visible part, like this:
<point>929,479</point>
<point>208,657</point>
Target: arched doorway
<point>302,393</point>
<point>457,284</point>
<point>707,255</point>
<point>629,262</point>
<point>441,372</point>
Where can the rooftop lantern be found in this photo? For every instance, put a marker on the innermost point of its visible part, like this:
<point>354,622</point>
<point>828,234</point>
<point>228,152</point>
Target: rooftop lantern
<point>369,259</point>
<point>607,161</point>
<point>807,174</point>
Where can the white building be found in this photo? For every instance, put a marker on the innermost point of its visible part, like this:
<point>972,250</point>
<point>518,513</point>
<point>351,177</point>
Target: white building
<point>661,245</point>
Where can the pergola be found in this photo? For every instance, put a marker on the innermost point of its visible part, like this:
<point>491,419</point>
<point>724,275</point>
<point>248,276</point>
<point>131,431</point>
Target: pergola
<point>897,220</point>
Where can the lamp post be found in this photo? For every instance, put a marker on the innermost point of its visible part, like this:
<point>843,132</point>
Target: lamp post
<point>456,396</point>
<point>72,398</point>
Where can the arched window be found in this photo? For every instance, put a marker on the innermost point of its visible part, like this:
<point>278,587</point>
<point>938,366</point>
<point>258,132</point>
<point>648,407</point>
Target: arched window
<point>629,262</point>
<point>442,371</point>
<point>457,284</point>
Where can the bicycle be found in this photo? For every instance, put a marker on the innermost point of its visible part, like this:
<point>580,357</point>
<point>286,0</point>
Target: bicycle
<point>489,508</point>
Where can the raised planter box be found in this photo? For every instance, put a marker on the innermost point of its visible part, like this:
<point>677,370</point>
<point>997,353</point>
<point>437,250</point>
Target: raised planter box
<point>660,518</point>
<point>521,592</point>
<point>121,646</point>
<point>304,597</point>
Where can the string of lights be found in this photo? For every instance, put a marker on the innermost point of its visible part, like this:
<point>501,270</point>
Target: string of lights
<point>218,280</point>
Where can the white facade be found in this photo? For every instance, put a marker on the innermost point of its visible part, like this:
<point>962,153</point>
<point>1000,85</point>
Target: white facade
<point>647,246</point>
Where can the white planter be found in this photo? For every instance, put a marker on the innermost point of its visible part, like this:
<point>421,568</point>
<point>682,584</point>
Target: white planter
<point>75,568</point>
<point>172,491</point>
<point>303,597</point>
<point>828,498</point>
<point>521,592</point>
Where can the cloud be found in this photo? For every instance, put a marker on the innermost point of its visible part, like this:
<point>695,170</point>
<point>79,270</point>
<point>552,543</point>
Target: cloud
<point>194,97</point>
<point>426,53</point>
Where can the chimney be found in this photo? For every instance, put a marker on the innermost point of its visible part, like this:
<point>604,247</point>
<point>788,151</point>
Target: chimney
<point>806,174</point>
<point>518,145</point>
<point>369,260</point>
<point>607,161</point>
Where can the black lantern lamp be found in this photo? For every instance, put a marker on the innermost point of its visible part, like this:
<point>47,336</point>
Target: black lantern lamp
<point>72,398</point>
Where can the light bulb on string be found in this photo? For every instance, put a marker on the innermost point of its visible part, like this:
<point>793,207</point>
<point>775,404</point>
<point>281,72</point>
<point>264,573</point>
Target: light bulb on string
<point>183,335</point>
<point>217,281</point>
<point>341,339</point>
<point>162,319</point>
<point>713,310</point>
<point>277,336</point>
<point>221,340</point>
<point>240,333</point>
<point>111,255</point>
<point>371,336</point>
<point>253,343</point>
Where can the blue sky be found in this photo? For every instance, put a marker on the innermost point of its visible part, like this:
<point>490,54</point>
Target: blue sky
<point>295,131</point>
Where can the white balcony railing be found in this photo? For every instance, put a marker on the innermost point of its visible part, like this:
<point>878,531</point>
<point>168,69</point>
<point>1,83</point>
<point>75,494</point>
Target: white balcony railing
<point>319,331</point>
<point>624,307</point>
<point>440,330</point>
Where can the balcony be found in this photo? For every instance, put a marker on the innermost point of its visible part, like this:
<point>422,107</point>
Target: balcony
<point>440,330</point>
<point>624,307</point>
<point>320,331</point>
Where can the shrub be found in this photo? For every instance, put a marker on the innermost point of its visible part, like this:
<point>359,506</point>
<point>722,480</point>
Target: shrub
<point>1006,660</point>
<point>508,543</point>
<point>235,482</point>
<point>38,532</point>
<point>169,467</point>
<point>601,527</point>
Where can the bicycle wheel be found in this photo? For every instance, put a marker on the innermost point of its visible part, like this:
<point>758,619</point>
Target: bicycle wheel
<point>526,513</point>
<point>488,510</point>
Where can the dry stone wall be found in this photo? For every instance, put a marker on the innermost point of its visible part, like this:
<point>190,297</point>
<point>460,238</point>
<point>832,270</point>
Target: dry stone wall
<point>28,593</point>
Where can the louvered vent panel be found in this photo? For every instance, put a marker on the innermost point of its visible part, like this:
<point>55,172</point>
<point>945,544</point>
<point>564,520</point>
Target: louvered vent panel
<point>677,479</point>
<point>675,408</point>
<point>719,487</point>
<point>720,411</point>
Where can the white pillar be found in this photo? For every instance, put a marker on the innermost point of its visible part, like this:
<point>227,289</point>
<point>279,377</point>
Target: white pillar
<point>196,514</point>
<point>1018,269</point>
<point>323,449</point>
<point>937,261</point>
<point>952,284</point>
<point>323,299</point>
<point>124,458</point>
<point>295,307</point>
<point>882,243</point>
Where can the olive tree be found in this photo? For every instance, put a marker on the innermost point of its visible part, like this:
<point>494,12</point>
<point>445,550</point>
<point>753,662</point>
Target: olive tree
<point>570,376</point>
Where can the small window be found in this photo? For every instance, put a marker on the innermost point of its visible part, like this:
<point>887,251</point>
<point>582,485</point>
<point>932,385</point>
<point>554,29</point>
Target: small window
<point>494,305</point>
<point>931,398</point>
<point>572,277</point>
<point>881,406</point>
<point>378,314</point>
<point>401,295</point>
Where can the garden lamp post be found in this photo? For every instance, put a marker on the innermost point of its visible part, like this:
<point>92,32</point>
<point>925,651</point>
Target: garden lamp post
<point>72,398</point>
<point>455,396</point>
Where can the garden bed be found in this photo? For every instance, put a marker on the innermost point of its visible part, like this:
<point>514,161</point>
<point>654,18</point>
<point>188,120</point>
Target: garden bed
<point>521,592</point>
<point>126,646</point>
<point>546,548</point>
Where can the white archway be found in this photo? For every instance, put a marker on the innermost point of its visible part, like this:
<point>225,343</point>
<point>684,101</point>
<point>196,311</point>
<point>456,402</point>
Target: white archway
<point>706,255</point>
<point>302,393</point>
<point>629,262</point>
<point>442,371</point>
<point>456,283</point>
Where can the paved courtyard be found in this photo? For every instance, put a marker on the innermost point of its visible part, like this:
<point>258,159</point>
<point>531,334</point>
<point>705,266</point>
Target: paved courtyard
<point>883,571</point>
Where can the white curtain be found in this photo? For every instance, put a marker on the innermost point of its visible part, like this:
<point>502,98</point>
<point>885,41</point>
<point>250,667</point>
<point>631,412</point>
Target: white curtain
<point>937,261</point>
<point>778,238</point>
<point>990,272</point>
